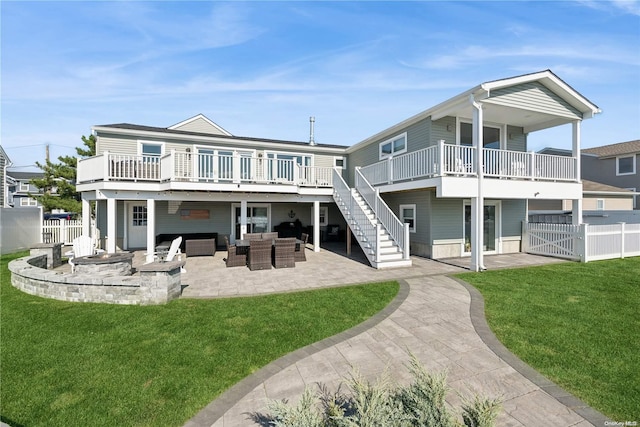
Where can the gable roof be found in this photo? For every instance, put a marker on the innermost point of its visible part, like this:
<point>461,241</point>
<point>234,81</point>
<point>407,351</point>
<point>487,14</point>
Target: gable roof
<point>593,187</point>
<point>546,83</point>
<point>612,150</point>
<point>21,176</point>
<point>200,123</point>
<point>4,154</point>
<point>130,129</point>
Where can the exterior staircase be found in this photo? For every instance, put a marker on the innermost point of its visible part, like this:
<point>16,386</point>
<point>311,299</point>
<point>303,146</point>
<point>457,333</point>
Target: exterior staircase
<point>378,244</point>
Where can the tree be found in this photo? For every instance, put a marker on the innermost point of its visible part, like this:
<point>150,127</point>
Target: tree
<point>58,185</point>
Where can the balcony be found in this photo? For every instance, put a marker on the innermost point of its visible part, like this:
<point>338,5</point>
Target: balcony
<point>447,166</point>
<point>183,170</point>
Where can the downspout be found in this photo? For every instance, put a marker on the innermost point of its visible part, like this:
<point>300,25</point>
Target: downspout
<point>478,139</point>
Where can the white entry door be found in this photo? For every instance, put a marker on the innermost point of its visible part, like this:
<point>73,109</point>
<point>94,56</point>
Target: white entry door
<point>137,225</point>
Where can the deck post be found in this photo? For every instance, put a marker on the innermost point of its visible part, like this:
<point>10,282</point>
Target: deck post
<point>111,225</point>
<point>107,170</point>
<point>243,219</point>
<point>86,217</point>
<point>575,151</point>
<point>151,229</point>
<point>316,226</point>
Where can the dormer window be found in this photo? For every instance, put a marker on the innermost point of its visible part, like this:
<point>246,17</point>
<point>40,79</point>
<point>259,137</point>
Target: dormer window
<point>393,146</point>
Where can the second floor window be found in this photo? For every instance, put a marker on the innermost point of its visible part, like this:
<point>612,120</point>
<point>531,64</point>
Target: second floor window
<point>24,185</point>
<point>626,165</point>
<point>393,146</point>
<point>151,151</point>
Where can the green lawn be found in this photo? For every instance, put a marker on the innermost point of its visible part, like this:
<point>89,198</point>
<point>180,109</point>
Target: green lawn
<point>75,364</point>
<point>578,324</point>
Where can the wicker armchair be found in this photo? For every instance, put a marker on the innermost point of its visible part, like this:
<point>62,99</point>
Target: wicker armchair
<point>252,236</point>
<point>299,253</point>
<point>259,257</point>
<point>270,236</point>
<point>234,259</point>
<point>284,253</point>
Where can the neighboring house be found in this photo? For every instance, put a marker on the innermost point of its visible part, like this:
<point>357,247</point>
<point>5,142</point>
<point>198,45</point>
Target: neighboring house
<point>456,177</point>
<point>5,162</point>
<point>615,164</point>
<point>595,197</point>
<point>22,187</point>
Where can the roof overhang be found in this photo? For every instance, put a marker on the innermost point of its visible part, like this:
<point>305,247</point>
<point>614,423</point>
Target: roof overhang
<point>250,143</point>
<point>530,120</point>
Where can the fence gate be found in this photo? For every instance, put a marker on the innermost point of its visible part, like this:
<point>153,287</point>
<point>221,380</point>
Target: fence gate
<point>559,240</point>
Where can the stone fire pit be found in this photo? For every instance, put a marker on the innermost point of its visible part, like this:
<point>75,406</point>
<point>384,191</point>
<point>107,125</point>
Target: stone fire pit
<point>106,264</point>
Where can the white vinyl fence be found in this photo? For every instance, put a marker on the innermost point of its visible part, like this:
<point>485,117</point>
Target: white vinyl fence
<point>61,230</point>
<point>582,242</point>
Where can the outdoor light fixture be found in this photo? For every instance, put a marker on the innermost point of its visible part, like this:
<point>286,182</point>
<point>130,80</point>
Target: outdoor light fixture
<point>291,214</point>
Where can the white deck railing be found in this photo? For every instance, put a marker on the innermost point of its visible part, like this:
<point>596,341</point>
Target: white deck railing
<point>356,217</point>
<point>398,231</point>
<point>202,167</point>
<point>460,160</point>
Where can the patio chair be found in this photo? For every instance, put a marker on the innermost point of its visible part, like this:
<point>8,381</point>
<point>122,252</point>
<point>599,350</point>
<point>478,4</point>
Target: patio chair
<point>252,236</point>
<point>284,253</point>
<point>259,257</point>
<point>300,248</point>
<point>234,259</point>
<point>299,254</point>
<point>82,246</point>
<point>270,236</point>
<point>174,249</point>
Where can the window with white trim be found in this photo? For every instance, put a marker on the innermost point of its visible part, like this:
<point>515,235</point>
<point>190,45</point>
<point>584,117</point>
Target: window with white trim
<point>626,165</point>
<point>323,215</point>
<point>24,185</point>
<point>599,204</point>
<point>340,162</point>
<point>151,149</point>
<point>393,146</point>
<point>408,216</point>
<point>28,201</point>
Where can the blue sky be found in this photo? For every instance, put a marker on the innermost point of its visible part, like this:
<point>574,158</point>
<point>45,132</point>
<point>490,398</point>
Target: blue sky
<point>262,68</point>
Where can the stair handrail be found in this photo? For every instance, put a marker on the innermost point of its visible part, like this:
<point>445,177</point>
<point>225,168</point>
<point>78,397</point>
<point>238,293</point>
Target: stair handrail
<point>396,228</point>
<point>367,229</point>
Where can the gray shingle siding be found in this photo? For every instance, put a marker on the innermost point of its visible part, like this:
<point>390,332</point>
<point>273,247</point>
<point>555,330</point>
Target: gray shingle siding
<point>422,200</point>
<point>533,96</point>
<point>516,139</point>
<point>513,213</point>
<point>447,218</point>
<point>439,131</point>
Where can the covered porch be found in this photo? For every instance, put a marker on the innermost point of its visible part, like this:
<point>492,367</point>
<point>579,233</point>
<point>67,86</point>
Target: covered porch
<point>130,220</point>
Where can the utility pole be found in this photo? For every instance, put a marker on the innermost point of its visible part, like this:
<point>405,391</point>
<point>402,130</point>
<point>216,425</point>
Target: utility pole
<point>46,153</point>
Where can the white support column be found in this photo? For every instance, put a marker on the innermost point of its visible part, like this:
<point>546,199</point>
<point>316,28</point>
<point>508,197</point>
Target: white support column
<point>575,149</point>
<point>243,219</point>
<point>111,225</point>
<point>316,226</point>
<point>477,204</point>
<point>151,229</point>
<point>86,217</point>
<point>476,231</point>
<point>576,211</point>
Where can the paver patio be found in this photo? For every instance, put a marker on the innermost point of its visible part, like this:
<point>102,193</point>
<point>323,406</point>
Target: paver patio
<point>431,318</point>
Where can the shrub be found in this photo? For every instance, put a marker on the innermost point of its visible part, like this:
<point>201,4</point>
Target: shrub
<point>381,404</point>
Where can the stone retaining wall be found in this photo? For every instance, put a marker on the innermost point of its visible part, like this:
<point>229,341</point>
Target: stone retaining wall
<point>157,283</point>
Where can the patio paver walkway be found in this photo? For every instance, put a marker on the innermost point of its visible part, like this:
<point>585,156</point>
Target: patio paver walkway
<point>431,318</point>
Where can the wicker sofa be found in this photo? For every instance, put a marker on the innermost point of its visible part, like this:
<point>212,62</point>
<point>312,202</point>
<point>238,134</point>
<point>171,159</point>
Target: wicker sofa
<point>193,244</point>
